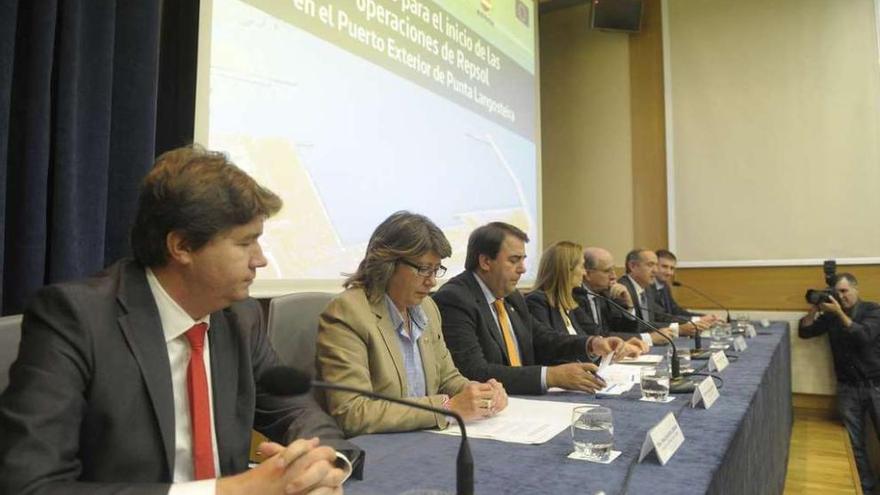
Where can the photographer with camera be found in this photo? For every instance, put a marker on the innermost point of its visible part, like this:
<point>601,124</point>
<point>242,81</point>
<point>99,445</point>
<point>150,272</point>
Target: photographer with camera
<point>853,328</point>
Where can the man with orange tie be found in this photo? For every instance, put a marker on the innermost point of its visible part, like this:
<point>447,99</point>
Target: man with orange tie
<point>145,377</point>
<point>490,332</point>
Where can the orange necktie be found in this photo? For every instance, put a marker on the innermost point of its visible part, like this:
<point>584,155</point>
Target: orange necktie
<point>507,333</point>
<point>199,406</point>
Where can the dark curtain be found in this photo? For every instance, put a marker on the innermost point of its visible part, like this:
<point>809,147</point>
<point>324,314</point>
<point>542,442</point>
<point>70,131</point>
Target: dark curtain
<point>79,98</point>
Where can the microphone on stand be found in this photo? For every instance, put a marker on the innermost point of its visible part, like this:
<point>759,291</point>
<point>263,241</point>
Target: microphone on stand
<point>679,384</point>
<point>289,381</point>
<point>676,283</point>
<point>697,352</point>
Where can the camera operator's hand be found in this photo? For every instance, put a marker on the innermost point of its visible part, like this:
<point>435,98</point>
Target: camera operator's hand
<point>811,316</point>
<point>833,307</point>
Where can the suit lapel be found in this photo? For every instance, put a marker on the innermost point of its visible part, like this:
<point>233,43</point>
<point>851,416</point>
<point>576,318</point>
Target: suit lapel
<point>389,337</point>
<point>429,366</point>
<point>666,298</point>
<point>583,300</point>
<point>649,297</point>
<point>224,382</point>
<point>597,314</point>
<point>634,295</point>
<point>142,329</point>
<point>856,313</point>
<point>487,313</point>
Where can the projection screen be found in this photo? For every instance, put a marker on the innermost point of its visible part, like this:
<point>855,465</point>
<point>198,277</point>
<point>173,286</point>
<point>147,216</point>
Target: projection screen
<point>353,109</point>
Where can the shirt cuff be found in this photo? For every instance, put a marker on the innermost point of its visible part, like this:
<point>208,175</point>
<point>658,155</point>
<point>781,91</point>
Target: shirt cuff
<point>590,355</point>
<point>646,338</point>
<point>202,487</point>
<point>543,378</point>
<point>344,464</point>
<point>674,328</point>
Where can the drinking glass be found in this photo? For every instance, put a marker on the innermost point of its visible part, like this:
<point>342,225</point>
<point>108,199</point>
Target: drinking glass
<point>743,323</point>
<point>722,336</point>
<point>592,432</point>
<point>655,383</point>
<point>684,359</point>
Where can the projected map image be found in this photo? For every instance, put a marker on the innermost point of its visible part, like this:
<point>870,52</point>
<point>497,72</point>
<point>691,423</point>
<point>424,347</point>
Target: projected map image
<point>346,141</point>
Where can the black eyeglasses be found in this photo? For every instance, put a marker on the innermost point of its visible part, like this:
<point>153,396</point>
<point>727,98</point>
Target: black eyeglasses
<point>425,271</point>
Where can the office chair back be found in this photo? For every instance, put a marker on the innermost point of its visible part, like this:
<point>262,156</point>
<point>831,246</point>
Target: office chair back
<point>293,327</point>
<point>10,336</point>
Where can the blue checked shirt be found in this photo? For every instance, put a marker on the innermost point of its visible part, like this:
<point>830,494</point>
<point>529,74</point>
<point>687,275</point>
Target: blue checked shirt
<point>409,345</point>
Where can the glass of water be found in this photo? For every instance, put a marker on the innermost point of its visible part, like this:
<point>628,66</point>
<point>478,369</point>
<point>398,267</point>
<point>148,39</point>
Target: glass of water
<point>684,359</point>
<point>722,336</point>
<point>655,383</point>
<point>743,324</point>
<point>592,432</point>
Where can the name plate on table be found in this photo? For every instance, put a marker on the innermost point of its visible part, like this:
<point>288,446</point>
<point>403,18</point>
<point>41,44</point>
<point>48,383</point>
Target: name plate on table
<point>718,361</point>
<point>665,438</point>
<point>705,393</point>
<point>751,332</point>
<point>739,343</point>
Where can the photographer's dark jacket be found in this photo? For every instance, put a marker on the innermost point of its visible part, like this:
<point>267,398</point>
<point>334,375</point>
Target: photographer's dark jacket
<point>856,349</point>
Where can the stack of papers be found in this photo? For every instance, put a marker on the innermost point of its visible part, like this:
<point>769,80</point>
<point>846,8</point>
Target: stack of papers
<point>619,378</point>
<point>523,421</point>
<point>643,359</point>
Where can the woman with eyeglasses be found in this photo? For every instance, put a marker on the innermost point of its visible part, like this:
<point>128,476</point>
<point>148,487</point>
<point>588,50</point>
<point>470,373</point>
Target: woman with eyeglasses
<point>560,271</point>
<point>383,333</point>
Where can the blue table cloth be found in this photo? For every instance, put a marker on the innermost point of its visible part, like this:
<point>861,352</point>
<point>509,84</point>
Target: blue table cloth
<point>739,446</point>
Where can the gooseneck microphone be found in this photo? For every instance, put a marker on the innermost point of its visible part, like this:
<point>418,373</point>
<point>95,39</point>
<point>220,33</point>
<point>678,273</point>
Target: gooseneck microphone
<point>676,283</point>
<point>675,369</point>
<point>289,381</point>
<point>698,339</point>
<point>678,384</point>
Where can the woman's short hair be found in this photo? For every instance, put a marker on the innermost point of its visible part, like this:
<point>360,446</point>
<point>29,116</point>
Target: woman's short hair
<point>403,235</point>
<point>198,193</point>
<point>554,273</point>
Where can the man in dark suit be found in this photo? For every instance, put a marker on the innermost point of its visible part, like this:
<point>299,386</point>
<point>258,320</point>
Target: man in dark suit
<point>600,279</point>
<point>665,275</point>
<point>144,378</point>
<point>490,332</point>
<point>641,267</point>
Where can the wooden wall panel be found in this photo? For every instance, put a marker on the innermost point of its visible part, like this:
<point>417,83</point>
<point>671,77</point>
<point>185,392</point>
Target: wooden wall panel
<point>767,288</point>
<point>648,129</point>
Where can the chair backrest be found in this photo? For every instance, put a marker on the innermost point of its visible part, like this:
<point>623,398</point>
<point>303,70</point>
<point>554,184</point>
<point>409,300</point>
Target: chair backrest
<point>293,327</point>
<point>10,336</point>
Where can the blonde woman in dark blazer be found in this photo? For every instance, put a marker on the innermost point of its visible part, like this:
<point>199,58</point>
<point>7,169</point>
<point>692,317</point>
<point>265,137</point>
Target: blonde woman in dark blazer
<point>560,271</point>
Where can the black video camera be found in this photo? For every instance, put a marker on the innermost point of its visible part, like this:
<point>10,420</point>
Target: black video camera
<point>817,296</point>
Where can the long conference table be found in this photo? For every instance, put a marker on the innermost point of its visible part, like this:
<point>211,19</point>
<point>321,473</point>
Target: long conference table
<point>738,446</point>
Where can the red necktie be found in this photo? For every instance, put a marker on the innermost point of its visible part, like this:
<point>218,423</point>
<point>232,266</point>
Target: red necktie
<point>199,405</point>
